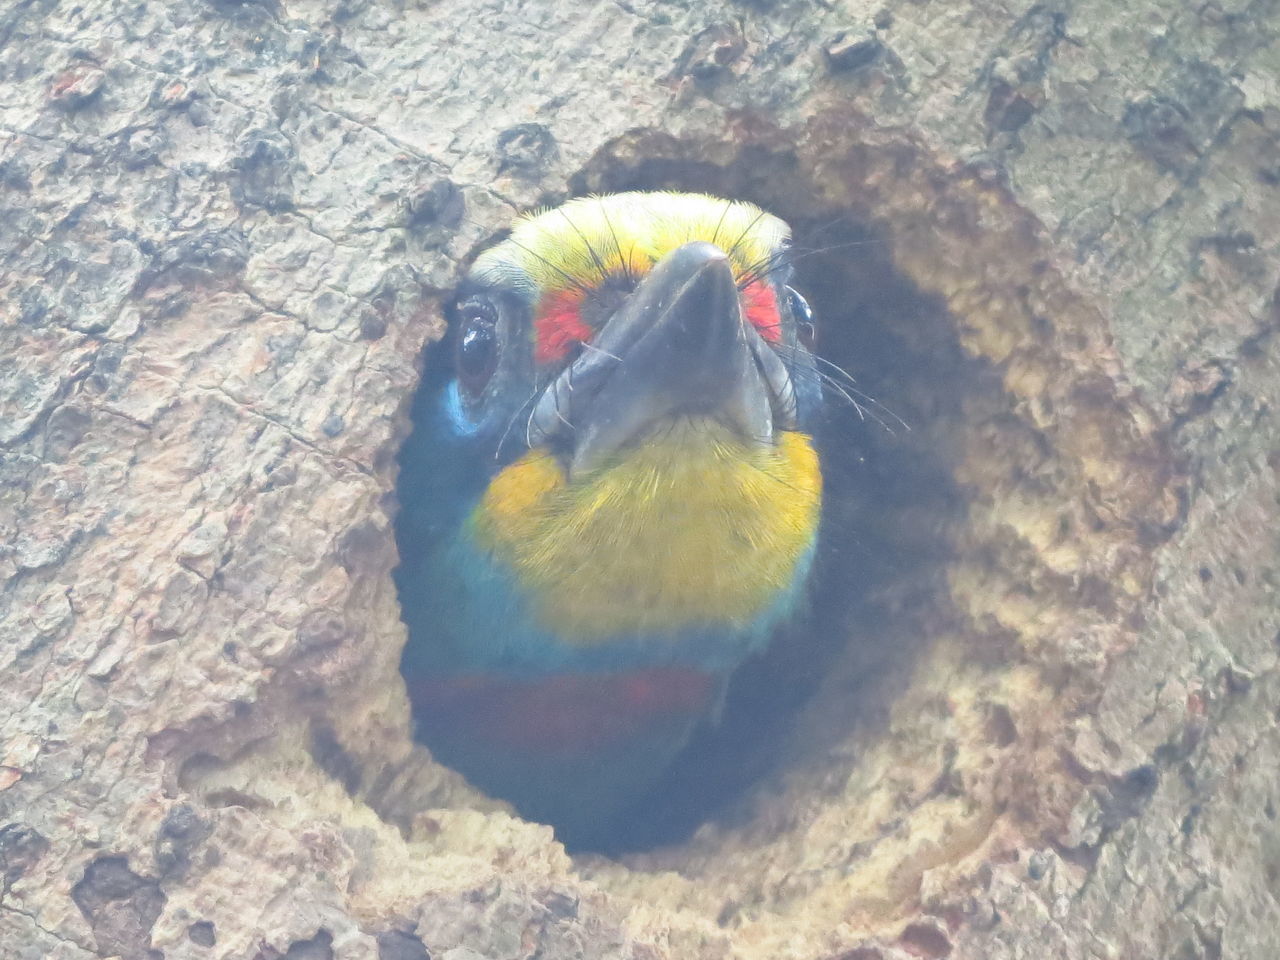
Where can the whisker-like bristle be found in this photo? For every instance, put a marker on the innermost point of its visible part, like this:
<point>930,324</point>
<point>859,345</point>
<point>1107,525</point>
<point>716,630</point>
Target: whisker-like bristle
<point>587,345</point>
<point>758,270</point>
<point>715,235</point>
<point>623,261</point>
<point>497,452</point>
<point>591,251</point>
<point>852,386</point>
<point>573,281</point>
<point>761,268</point>
<point>745,233</point>
<point>846,391</point>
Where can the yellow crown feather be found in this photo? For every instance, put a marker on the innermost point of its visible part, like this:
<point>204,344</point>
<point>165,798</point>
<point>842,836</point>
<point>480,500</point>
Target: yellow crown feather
<point>585,241</point>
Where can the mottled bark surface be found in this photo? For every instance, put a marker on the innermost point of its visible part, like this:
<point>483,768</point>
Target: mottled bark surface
<point>226,229</point>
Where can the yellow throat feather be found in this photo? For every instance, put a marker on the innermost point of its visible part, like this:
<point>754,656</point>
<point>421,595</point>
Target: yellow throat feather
<point>692,527</point>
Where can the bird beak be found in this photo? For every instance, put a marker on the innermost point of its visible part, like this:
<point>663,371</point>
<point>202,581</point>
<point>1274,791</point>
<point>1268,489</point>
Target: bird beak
<point>678,346</point>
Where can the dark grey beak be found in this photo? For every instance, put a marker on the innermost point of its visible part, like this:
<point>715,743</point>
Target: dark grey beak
<point>678,346</point>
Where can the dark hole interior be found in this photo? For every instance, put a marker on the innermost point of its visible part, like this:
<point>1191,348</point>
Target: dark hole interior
<point>890,502</point>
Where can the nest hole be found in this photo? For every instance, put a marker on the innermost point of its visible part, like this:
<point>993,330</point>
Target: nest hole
<point>898,380</point>
<point>976,573</point>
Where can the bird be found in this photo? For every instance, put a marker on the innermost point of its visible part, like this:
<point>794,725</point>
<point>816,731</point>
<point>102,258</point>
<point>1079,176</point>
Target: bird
<point>610,497</point>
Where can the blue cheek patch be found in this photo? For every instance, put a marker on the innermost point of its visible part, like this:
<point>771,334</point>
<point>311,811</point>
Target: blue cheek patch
<point>456,414</point>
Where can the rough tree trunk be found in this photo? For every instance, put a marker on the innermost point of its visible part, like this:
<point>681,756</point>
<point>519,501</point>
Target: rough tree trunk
<point>225,229</point>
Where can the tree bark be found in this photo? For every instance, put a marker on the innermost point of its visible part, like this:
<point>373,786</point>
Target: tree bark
<point>228,231</point>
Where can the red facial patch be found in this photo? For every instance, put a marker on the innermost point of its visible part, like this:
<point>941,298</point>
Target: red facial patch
<point>560,326</point>
<point>761,308</point>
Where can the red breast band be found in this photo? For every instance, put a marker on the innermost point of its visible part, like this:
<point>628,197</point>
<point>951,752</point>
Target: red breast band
<point>563,714</point>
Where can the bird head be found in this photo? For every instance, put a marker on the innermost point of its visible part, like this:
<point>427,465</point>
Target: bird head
<point>632,390</point>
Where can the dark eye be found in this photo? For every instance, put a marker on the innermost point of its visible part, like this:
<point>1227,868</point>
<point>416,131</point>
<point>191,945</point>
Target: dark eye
<point>477,350</point>
<point>803,317</point>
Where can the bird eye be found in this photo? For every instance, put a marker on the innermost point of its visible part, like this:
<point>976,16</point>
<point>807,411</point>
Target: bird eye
<point>803,316</point>
<point>477,350</point>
